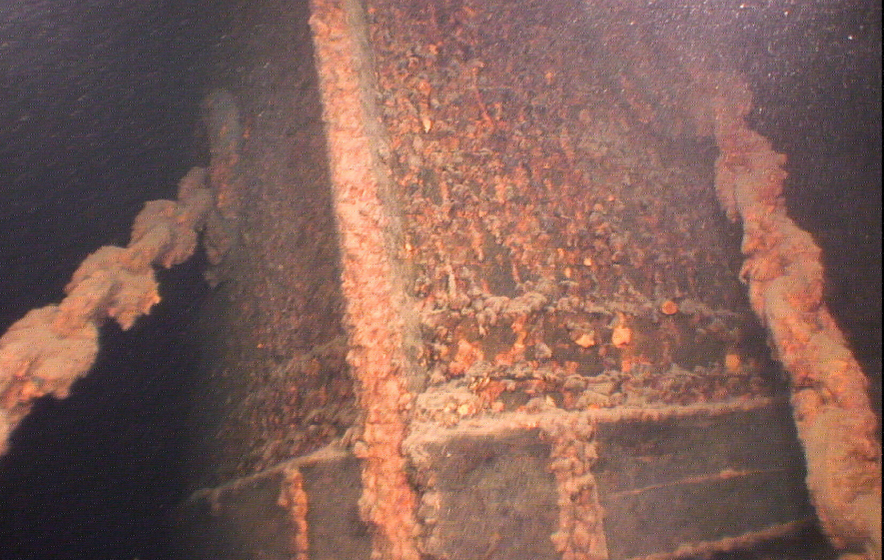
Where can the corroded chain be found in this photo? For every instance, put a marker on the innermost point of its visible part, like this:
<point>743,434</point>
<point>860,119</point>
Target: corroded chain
<point>51,347</point>
<point>784,274</point>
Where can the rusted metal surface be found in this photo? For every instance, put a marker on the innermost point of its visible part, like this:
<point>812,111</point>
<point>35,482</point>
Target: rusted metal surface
<point>479,244</point>
<point>275,382</point>
<point>529,238</point>
<point>555,241</point>
<point>301,508</point>
<point>626,482</point>
<point>566,244</point>
<point>374,303</point>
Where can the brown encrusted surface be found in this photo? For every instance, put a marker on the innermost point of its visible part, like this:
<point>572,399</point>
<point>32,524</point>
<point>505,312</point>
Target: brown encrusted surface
<point>742,468</point>
<point>604,462</point>
<point>555,233</point>
<point>581,530</point>
<point>295,500</point>
<point>485,495</point>
<point>565,246</point>
<point>303,508</point>
<point>275,382</point>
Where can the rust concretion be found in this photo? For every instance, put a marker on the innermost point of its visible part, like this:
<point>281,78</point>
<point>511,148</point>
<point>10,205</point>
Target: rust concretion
<point>373,311</point>
<point>784,274</point>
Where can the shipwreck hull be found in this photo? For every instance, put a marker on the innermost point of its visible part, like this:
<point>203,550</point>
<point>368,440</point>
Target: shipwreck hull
<point>498,280</point>
<point>484,281</point>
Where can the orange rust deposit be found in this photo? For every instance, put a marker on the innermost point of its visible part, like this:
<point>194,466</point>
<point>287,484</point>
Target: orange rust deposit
<point>621,336</point>
<point>669,307</point>
<point>732,362</point>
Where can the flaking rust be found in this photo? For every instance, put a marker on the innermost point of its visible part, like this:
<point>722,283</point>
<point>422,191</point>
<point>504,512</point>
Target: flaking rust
<point>559,251</point>
<point>293,497</point>
<point>560,241</point>
<point>581,533</point>
<point>567,247</point>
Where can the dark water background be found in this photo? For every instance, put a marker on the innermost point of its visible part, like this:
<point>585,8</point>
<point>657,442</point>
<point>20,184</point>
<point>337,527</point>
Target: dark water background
<point>818,99</point>
<point>98,110</point>
<point>98,113</point>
